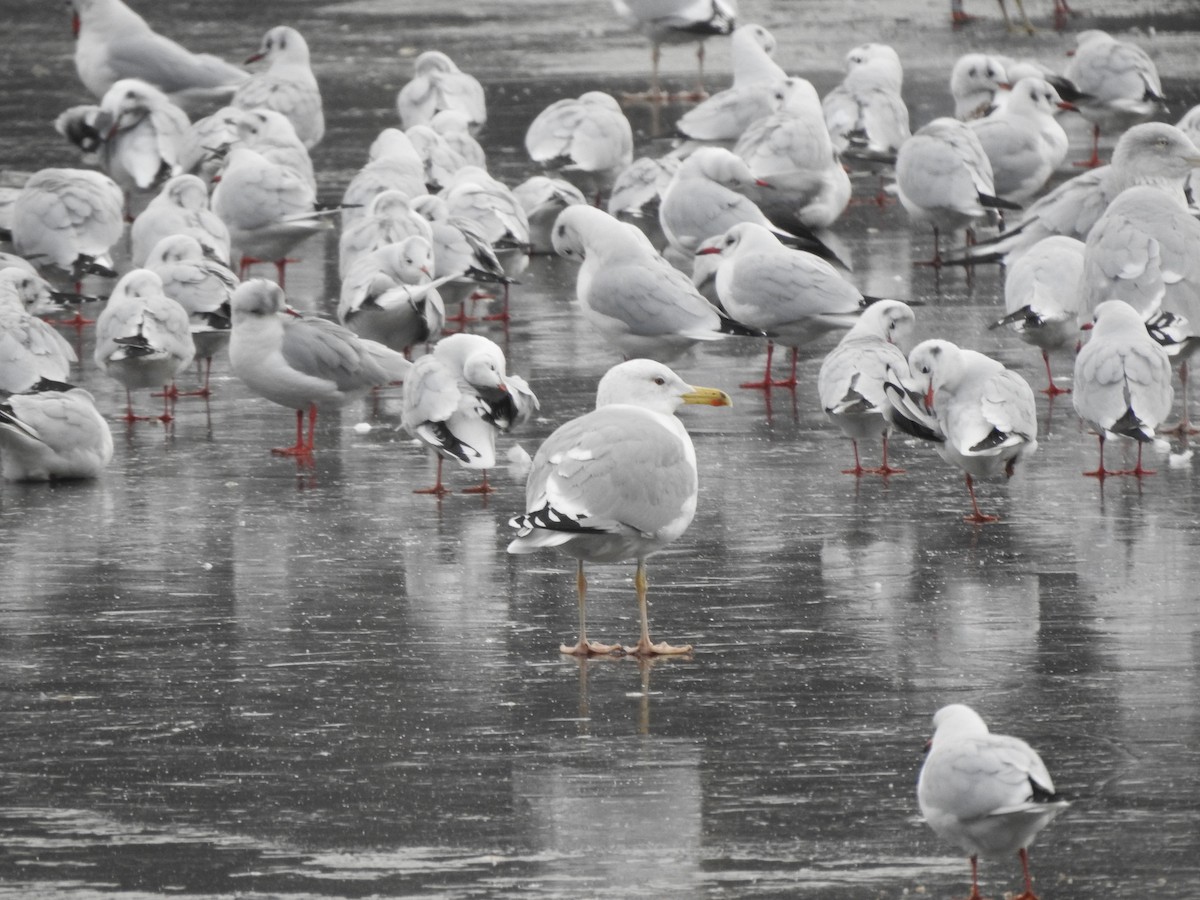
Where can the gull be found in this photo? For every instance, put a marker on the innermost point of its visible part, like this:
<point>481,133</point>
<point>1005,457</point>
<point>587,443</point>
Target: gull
<point>990,794</point>
<point>617,483</point>
<point>30,349</point>
<point>143,338</point>
<point>302,362</point>
<point>439,161</point>
<point>640,303</point>
<point>458,398</point>
<point>944,177</point>
<point>1118,83</point>
<point>203,146</point>
<point>1041,298</point>
<point>113,42</point>
<point>268,208</point>
<point>587,137</point>
<point>704,197</point>
<point>200,284</point>
<point>142,132</point>
<point>791,295</point>
<point>980,416</point>
<point>287,86</point>
<point>69,219</point>
<point>392,164</point>
<point>181,207</point>
<point>791,151</point>
<point>852,375</point>
<point>639,187</point>
<point>53,432</point>
<point>1152,153</point>
<point>438,84</point>
<point>389,296</point>
<point>677,22</point>
<point>726,114</point>
<point>1122,381</point>
<point>462,258</point>
<point>865,114</point>
<point>272,136</point>
<point>1190,126</point>
<point>543,198</point>
<point>454,126</point>
<point>975,80</point>
<point>1023,141</point>
<point>389,219</point>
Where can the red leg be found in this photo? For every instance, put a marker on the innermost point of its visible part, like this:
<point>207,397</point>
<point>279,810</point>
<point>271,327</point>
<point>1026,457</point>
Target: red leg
<point>1094,160</point>
<point>765,384</point>
<point>884,469</point>
<point>1101,472</point>
<point>858,470</point>
<point>301,450</point>
<point>129,414</point>
<point>1051,389</point>
<point>439,489</point>
<point>977,517</point>
<point>482,488</point>
<point>1137,470</point>
<point>281,268</point>
<point>169,393</point>
<point>501,316</point>
<point>975,895</point>
<point>1028,894</point>
<point>936,262</point>
<point>790,381</point>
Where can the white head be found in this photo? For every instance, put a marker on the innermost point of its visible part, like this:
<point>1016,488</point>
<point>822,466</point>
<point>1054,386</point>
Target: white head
<point>433,61</point>
<point>175,248</point>
<point>719,165</point>
<point>1155,151</point>
<point>956,720</point>
<point>892,320</point>
<point>138,284</point>
<point>650,384</point>
<point>257,298</point>
<point>409,260</point>
<point>187,192</point>
<point>281,44</point>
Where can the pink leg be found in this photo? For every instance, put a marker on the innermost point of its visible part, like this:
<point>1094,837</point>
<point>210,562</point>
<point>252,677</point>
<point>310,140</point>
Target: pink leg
<point>1051,389</point>
<point>482,488</point>
<point>302,449</point>
<point>765,384</point>
<point>438,489</point>
<point>1094,160</point>
<point>1028,894</point>
<point>977,517</point>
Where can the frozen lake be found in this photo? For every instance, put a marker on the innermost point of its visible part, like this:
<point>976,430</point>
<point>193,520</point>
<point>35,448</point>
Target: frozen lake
<point>222,675</point>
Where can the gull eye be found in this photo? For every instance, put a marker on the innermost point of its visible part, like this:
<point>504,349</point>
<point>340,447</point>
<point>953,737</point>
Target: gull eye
<point>660,380</point>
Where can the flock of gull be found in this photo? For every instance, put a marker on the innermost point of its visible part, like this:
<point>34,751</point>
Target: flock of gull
<point>745,200</point>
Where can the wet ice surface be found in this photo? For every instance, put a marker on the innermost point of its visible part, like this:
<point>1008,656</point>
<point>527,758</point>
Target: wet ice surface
<point>222,675</point>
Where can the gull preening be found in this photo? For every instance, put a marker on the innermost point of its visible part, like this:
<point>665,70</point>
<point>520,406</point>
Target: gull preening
<point>438,84</point>
<point>587,137</point>
<point>53,432</point>
<point>458,398</point>
<point>617,483</point>
<point>979,415</point>
<point>30,349</point>
<point>69,219</point>
<point>989,794</point>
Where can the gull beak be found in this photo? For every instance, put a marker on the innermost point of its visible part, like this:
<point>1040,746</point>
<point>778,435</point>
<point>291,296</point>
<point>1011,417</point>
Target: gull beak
<point>702,396</point>
<point>293,312</point>
<point>929,398</point>
<point>1193,161</point>
<point>254,57</point>
<point>1004,85</point>
<point>1087,326</point>
<point>708,251</point>
<point>1063,104</point>
<point>760,183</point>
<point>75,24</point>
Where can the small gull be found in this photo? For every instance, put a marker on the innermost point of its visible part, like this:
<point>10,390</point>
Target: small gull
<point>30,349</point>
<point>439,160</point>
<point>201,285</point>
<point>975,80</point>
<point>113,42</point>
<point>53,432</point>
<point>181,207</point>
<point>543,198</point>
<point>1041,298</point>
<point>990,794</point>
<point>268,209</point>
<point>1122,381</point>
<point>617,483</point>
<point>143,338</point>
<point>287,86</point>
<point>389,219</point>
<point>271,135</point>
<point>438,84</point>
<point>393,163</point>
<point>1023,140</point>
<point>1118,83</point>
<point>638,189</point>
<point>791,151</point>
<point>587,138</point>
<point>458,398</point>
<point>728,113</point>
<point>677,22</point>
<point>851,378</point>
<point>389,295</point>
<point>791,295</point>
<point>463,259</point>
<point>639,302</point>
<point>203,146</point>
<point>979,415</point>
<point>454,126</point>
<point>866,114</point>
<point>944,177</point>
<point>302,362</point>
